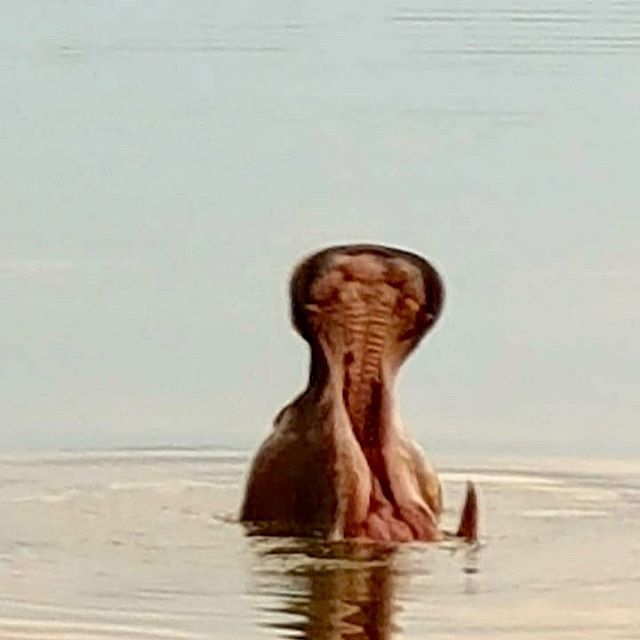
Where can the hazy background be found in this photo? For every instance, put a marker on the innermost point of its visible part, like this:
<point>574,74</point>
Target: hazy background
<point>164,165</point>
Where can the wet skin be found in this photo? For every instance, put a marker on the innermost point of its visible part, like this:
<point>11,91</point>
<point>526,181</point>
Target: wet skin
<point>338,463</point>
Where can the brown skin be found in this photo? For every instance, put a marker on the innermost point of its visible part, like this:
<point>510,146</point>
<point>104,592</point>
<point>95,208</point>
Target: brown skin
<point>338,464</point>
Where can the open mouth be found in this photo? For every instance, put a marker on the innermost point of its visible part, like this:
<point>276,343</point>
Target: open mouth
<point>363,310</point>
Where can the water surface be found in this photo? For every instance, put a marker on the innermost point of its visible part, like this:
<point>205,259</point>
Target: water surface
<point>145,545</point>
<point>164,165</point>
<point>148,147</point>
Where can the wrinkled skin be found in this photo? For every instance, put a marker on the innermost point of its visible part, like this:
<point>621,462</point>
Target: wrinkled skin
<point>338,463</point>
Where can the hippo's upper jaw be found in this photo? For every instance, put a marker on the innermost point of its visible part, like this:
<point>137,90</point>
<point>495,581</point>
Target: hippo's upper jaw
<point>338,462</point>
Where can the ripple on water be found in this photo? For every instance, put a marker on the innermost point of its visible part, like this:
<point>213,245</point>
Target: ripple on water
<point>547,30</point>
<point>54,629</point>
<point>139,550</point>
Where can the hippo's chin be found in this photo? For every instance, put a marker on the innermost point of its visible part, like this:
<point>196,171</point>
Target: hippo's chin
<point>338,463</point>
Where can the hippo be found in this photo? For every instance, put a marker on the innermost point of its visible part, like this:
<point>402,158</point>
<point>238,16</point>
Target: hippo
<point>338,464</point>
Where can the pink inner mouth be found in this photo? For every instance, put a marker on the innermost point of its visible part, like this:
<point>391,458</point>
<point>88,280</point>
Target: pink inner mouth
<point>365,310</point>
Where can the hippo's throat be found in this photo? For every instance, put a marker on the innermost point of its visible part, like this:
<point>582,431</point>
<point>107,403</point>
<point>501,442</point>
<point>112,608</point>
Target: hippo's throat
<point>364,313</point>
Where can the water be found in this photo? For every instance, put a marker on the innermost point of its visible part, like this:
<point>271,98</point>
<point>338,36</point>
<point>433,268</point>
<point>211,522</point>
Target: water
<point>147,147</point>
<point>144,544</point>
<point>165,164</point>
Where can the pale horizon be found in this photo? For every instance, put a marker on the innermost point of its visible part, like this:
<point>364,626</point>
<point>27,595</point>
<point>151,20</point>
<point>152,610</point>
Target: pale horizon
<point>155,199</point>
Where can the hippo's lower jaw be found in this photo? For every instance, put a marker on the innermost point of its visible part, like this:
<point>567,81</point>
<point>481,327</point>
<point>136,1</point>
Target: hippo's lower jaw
<point>338,463</point>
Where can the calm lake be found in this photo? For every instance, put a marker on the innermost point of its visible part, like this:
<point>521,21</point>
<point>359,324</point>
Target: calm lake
<point>116,114</point>
<point>132,545</point>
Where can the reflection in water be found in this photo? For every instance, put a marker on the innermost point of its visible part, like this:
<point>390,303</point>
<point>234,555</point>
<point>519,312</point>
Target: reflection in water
<point>329,591</point>
<point>341,591</point>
